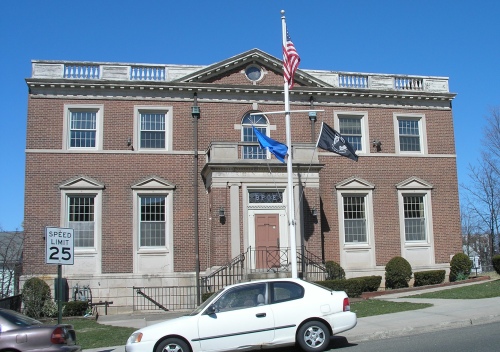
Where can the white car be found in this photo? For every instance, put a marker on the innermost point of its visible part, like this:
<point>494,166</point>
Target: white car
<point>253,315</point>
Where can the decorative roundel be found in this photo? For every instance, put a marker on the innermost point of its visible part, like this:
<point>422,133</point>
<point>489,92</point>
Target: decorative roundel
<point>253,73</point>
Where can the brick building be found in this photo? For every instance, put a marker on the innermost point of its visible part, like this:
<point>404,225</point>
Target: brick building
<point>113,151</point>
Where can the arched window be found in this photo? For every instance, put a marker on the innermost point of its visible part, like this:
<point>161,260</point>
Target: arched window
<point>253,151</point>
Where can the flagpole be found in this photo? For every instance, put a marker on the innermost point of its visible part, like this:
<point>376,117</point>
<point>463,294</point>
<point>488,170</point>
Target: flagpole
<point>289,168</point>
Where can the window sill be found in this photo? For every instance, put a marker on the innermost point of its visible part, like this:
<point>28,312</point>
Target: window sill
<point>150,251</point>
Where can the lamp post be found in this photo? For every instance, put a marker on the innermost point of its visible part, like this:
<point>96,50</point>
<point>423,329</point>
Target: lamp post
<point>195,113</point>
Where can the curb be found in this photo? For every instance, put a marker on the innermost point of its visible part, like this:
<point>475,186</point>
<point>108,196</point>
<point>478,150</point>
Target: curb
<point>380,335</point>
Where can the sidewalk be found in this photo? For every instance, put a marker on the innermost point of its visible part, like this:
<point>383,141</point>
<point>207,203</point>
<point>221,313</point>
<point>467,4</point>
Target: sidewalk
<point>444,314</point>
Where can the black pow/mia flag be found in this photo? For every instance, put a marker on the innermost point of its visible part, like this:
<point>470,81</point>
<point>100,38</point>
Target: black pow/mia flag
<point>331,140</point>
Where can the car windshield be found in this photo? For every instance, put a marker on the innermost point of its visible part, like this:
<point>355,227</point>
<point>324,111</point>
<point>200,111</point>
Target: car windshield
<point>205,303</point>
<point>18,318</point>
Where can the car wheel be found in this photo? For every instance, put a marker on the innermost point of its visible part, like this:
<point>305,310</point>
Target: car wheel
<point>173,345</point>
<point>313,336</point>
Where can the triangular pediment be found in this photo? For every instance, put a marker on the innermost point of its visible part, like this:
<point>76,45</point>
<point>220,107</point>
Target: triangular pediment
<point>414,183</point>
<point>354,183</point>
<point>82,182</point>
<point>153,182</point>
<point>237,64</point>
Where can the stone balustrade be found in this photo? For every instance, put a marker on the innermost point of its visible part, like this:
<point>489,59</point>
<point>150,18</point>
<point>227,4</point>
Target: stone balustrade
<point>165,73</point>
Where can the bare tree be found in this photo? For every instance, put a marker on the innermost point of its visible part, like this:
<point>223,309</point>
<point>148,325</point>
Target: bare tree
<point>491,140</point>
<point>11,249</point>
<point>483,192</point>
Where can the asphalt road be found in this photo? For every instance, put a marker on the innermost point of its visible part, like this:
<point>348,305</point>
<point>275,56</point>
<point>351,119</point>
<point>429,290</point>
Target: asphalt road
<point>474,338</point>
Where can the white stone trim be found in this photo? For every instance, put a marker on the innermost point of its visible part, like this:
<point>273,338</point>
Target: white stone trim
<point>136,140</point>
<point>68,108</point>
<point>365,135</point>
<point>422,127</point>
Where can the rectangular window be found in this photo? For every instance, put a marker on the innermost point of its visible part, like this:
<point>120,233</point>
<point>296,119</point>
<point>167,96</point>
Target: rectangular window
<point>350,129</point>
<point>354,219</point>
<point>414,217</point>
<point>82,128</point>
<point>253,151</point>
<point>409,135</point>
<point>153,221</point>
<point>152,130</point>
<point>81,218</point>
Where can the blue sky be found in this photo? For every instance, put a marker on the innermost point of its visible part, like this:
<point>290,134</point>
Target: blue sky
<point>452,38</point>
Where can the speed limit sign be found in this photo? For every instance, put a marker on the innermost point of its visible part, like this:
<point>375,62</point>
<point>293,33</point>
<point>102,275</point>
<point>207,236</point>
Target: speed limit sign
<point>59,245</point>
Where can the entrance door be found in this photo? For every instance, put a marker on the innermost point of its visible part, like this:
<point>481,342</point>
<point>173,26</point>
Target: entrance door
<point>267,241</point>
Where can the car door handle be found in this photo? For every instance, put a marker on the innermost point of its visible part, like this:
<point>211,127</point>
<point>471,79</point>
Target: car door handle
<point>260,315</point>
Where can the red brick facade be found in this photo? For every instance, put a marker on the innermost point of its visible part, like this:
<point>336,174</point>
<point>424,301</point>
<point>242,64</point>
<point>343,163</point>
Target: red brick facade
<point>224,99</point>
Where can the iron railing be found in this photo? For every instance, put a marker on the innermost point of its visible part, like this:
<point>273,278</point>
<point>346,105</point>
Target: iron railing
<point>269,260</point>
<point>231,273</point>
<point>12,303</point>
<point>164,298</point>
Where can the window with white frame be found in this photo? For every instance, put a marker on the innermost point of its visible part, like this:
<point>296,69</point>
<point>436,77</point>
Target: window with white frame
<point>354,218</point>
<point>81,217</point>
<point>352,126</point>
<point>153,128</point>
<point>414,217</point>
<point>153,220</point>
<point>415,211</point>
<point>260,123</point>
<point>81,211</point>
<point>355,211</point>
<point>153,225</point>
<point>83,127</point>
<point>410,132</point>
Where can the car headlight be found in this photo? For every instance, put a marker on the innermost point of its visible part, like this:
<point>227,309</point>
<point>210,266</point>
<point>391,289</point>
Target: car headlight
<point>135,337</point>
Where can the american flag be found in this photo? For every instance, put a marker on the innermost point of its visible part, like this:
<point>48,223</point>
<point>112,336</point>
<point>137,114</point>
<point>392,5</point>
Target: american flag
<point>291,60</point>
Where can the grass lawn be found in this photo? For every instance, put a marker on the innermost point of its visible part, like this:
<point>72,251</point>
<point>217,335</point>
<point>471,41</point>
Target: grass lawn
<point>484,290</point>
<point>91,334</point>
<point>371,307</point>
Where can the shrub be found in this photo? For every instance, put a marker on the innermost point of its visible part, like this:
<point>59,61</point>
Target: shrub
<point>354,287</point>
<point>35,292</point>
<point>75,308</point>
<point>50,309</point>
<point>496,263</point>
<point>397,273</point>
<point>204,296</point>
<point>460,267</point>
<point>371,283</point>
<point>334,271</point>
<point>429,277</point>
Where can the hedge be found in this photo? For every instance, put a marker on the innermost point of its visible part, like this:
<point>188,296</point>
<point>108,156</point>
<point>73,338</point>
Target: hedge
<point>397,273</point>
<point>496,263</point>
<point>354,287</point>
<point>429,277</point>
<point>75,308</point>
<point>460,267</point>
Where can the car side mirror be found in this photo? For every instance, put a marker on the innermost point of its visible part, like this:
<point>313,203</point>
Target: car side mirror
<point>210,309</point>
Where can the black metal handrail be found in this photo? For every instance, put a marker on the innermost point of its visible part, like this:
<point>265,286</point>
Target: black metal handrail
<point>230,273</point>
<point>139,292</point>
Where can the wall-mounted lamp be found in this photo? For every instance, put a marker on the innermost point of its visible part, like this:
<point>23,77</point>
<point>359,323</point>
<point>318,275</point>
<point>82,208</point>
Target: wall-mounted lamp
<point>312,116</point>
<point>129,142</point>
<point>222,215</point>
<point>314,212</point>
<point>195,112</point>
<point>377,144</point>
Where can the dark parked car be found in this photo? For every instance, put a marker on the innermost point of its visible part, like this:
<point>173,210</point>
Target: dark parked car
<point>21,333</point>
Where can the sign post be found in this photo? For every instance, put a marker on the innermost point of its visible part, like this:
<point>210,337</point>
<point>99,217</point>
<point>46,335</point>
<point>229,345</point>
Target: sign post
<point>59,249</point>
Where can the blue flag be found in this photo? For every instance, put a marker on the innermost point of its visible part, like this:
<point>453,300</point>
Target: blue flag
<point>278,149</point>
